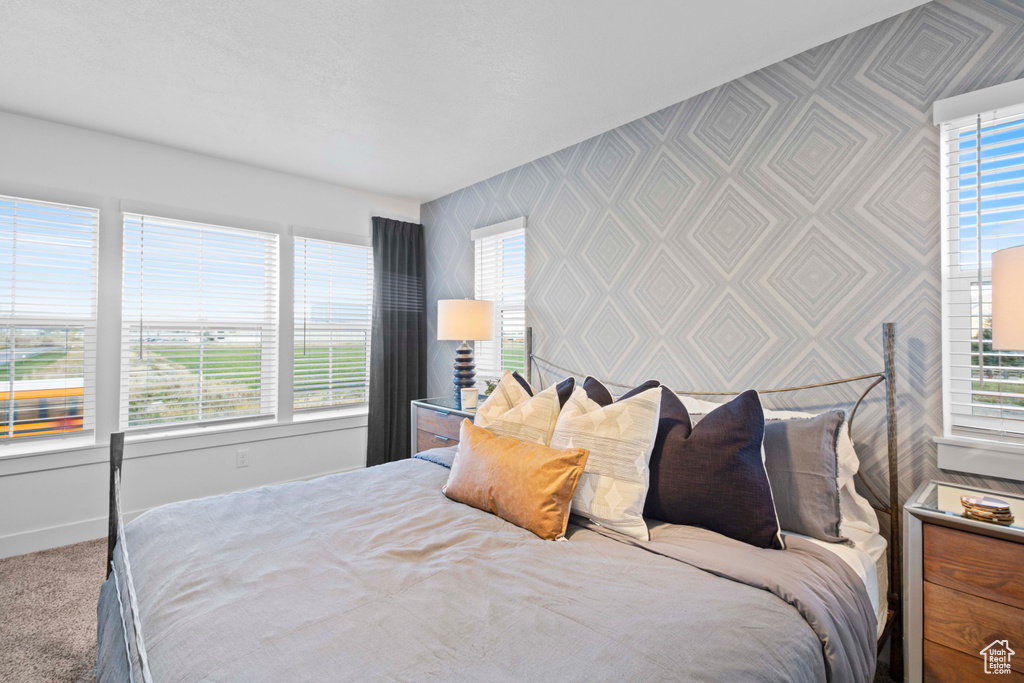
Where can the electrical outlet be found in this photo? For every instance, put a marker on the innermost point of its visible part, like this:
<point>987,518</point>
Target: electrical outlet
<point>242,457</point>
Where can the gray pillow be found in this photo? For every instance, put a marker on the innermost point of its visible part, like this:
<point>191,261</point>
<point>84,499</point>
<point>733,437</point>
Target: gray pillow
<point>803,464</point>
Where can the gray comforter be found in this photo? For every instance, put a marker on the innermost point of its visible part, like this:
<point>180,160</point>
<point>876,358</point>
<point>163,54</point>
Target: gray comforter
<point>374,574</point>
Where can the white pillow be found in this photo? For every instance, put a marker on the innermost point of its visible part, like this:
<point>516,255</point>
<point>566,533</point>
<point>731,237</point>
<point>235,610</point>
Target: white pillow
<point>511,411</point>
<point>854,509</point>
<point>620,438</point>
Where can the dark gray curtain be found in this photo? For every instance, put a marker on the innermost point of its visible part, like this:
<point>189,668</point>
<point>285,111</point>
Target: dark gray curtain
<point>398,342</point>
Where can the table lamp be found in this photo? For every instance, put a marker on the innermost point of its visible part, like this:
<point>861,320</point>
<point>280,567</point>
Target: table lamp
<point>464,320</point>
<point>1008,299</point>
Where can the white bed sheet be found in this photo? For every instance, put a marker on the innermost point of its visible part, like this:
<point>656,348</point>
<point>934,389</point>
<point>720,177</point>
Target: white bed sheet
<point>867,558</point>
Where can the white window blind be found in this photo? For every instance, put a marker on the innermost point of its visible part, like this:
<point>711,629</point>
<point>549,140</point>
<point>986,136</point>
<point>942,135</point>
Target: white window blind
<point>47,318</point>
<point>333,308</point>
<point>984,211</point>
<point>500,267</point>
<point>199,323</point>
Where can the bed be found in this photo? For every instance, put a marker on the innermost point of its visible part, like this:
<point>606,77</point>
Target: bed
<point>375,574</point>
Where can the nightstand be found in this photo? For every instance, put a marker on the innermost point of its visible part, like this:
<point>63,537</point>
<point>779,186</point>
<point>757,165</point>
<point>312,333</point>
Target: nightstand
<point>435,423</point>
<point>964,586</point>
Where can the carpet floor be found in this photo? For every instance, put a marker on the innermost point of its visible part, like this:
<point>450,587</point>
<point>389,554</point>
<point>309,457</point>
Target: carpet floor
<point>48,607</point>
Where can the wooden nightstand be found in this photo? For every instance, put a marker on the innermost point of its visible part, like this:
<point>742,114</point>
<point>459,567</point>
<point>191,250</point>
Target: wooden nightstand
<point>435,423</point>
<point>964,586</point>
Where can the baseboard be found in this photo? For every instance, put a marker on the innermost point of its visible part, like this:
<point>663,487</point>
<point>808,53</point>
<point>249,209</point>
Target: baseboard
<point>88,529</point>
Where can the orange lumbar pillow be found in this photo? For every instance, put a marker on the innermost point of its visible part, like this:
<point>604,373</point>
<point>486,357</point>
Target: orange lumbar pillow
<point>528,484</point>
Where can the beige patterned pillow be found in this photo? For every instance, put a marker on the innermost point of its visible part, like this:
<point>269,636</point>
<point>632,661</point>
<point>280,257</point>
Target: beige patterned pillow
<point>620,438</point>
<point>511,411</point>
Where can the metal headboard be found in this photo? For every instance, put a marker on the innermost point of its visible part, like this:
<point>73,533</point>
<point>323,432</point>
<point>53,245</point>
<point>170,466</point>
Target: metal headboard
<point>893,626</point>
<point>119,565</point>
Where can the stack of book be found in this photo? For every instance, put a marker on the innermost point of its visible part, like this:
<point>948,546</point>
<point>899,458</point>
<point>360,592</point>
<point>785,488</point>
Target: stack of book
<point>986,509</point>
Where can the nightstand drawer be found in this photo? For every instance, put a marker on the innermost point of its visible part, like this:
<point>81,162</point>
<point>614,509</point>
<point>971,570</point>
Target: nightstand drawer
<point>438,422</point>
<point>975,564</point>
<point>946,665</point>
<point>968,623</point>
<point>964,593</point>
<point>426,440</point>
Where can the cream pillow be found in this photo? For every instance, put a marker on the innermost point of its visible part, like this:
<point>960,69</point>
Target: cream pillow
<point>511,411</point>
<point>620,438</point>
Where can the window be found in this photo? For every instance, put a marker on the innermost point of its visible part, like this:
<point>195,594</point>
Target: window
<point>48,329</point>
<point>199,323</point>
<point>333,307</point>
<point>500,267</point>
<point>983,158</point>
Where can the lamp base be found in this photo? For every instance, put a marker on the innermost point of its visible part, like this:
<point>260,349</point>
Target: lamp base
<point>465,372</point>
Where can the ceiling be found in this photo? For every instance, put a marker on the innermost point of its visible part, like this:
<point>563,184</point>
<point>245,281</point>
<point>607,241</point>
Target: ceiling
<point>414,99</point>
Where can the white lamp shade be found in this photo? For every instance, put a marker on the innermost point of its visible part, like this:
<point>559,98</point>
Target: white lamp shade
<point>465,320</point>
<point>1008,299</point>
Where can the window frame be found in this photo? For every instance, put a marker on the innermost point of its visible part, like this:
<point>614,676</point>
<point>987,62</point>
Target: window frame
<point>978,450</point>
<point>314,412</point>
<point>269,329</point>
<point>90,405</point>
<point>505,229</point>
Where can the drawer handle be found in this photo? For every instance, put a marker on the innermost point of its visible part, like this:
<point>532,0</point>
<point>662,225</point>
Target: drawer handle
<point>442,438</point>
<point>443,412</point>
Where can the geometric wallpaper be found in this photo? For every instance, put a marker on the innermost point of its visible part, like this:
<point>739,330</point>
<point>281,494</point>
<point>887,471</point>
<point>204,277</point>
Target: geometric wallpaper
<point>755,235</point>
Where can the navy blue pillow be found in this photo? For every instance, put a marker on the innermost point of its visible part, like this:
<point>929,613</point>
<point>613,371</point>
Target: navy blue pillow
<point>564,389</point>
<point>711,474</point>
<point>599,394</point>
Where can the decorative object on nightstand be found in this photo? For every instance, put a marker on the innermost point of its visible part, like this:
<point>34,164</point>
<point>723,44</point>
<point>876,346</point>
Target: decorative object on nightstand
<point>987,509</point>
<point>470,398</point>
<point>964,584</point>
<point>464,320</point>
<point>435,423</point>
<point>1007,295</point>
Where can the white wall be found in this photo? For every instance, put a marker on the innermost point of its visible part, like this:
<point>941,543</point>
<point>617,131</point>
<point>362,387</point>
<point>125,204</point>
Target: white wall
<point>60,496</point>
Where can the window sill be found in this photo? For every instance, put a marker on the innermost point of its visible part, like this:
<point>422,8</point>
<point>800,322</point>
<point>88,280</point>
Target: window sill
<point>361,410</point>
<point>981,457</point>
<point>240,425</point>
<point>41,446</point>
<point>140,435</point>
<point>85,451</point>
